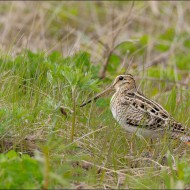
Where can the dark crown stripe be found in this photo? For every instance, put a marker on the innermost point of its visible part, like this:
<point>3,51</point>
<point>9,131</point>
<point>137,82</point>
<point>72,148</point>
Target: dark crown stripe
<point>129,75</point>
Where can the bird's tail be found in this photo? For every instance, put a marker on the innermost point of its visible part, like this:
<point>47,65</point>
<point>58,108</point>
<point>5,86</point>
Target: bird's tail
<point>185,139</point>
<point>181,133</point>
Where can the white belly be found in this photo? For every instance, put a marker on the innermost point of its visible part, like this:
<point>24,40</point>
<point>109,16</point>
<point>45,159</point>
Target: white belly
<point>141,131</point>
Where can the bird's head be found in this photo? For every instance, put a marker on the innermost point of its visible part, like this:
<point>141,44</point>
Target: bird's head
<point>121,83</point>
<point>124,82</point>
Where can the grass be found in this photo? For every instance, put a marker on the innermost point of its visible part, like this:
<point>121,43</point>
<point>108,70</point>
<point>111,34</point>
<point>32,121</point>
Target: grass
<point>86,147</point>
<point>47,140</point>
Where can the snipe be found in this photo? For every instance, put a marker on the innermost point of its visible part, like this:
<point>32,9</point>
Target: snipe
<point>138,114</point>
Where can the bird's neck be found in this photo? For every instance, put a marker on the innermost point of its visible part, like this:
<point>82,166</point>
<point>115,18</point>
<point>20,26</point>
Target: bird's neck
<point>128,90</point>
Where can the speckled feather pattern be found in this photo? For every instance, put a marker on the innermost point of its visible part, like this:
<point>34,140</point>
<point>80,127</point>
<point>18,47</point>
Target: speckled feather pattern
<point>136,113</point>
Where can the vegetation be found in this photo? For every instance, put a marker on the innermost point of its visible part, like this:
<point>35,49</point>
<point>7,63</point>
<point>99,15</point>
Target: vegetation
<point>60,57</point>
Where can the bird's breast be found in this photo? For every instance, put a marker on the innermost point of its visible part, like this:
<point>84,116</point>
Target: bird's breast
<point>117,108</point>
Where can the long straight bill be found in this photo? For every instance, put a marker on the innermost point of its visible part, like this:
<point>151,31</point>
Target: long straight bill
<point>98,96</point>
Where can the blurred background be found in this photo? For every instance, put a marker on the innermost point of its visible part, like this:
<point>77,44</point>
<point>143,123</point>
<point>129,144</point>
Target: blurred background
<point>144,32</point>
<point>54,56</point>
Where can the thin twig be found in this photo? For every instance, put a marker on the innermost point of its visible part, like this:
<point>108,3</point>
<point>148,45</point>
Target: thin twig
<point>115,171</point>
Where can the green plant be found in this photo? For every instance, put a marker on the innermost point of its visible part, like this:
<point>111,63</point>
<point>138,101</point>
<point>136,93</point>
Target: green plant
<point>83,147</point>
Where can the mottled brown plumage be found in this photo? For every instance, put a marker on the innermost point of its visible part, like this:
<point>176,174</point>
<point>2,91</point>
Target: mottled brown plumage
<point>138,114</point>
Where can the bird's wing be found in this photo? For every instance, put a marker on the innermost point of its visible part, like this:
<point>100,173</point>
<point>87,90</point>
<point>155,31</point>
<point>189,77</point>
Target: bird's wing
<point>148,114</point>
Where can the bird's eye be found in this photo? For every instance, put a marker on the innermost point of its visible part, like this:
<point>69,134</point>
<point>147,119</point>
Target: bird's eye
<point>121,78</point>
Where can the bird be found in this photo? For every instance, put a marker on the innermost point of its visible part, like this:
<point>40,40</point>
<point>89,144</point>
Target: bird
<point>138,114</point>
